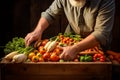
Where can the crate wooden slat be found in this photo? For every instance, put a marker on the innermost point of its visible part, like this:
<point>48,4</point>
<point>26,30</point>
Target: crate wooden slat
<point>58,71</point>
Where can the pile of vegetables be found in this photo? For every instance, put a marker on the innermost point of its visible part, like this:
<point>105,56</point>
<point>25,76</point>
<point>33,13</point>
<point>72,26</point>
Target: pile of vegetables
<point>16,51</point>
<point>48,50</point>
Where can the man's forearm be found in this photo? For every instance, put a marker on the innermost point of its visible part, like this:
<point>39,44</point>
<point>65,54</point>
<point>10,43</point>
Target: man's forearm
<point>86,43</point>
<point>42,25</point>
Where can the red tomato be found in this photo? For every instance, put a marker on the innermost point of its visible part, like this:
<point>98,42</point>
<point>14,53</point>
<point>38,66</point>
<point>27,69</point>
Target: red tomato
<point>41,49</point>
<point>99,57</point>
<point>64,40</point>
<point>54,57</point>
<point>46,56</point>
<point>41,59</point>
<point>57,51</point>
<point>35,59</point>
<point>71,40</point>
<point>44,42</point>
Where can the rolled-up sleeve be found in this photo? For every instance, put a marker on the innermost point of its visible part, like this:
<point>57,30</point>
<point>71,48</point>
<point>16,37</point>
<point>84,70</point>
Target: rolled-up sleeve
<point>104,21</point>
<point>53,11</point>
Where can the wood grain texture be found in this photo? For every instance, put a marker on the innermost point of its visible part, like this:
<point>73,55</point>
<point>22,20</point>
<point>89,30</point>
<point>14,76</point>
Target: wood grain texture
<point>58,71</point>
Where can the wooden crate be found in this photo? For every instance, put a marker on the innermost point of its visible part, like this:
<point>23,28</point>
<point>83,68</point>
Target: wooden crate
<point>57,71</point>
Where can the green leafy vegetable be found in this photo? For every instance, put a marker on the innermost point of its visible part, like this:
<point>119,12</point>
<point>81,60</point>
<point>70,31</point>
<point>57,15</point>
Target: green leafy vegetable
<point>17,44</point>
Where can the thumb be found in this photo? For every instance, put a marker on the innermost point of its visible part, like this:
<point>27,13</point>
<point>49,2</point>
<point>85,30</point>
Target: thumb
<point>61,55</point>
<point>60,47</point>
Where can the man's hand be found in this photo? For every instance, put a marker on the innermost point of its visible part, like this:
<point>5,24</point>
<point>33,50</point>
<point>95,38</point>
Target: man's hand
<point>36,35</point>
<point>32,37</point>
<point>69,53</point>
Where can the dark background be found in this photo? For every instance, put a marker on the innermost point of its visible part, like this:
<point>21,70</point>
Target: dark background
<point>18,17</point>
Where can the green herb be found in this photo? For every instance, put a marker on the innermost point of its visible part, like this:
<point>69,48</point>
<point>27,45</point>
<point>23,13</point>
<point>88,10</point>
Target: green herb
<point>17,44</point>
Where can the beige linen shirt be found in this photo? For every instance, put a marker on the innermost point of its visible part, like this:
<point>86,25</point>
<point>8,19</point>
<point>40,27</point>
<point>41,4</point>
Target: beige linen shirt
<point>98,16</point>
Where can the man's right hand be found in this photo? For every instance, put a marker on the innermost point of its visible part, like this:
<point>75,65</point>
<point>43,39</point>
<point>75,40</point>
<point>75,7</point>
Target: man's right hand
<point>33,37</point>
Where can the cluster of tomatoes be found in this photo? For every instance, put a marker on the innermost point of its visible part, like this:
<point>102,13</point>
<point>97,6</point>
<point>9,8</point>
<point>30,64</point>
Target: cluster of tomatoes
<point>66,40</point>
<point>41,55</point>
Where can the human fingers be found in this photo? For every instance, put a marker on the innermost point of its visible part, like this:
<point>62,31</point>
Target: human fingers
<point>62,55</point>
<point>26,39</point>
<point>29,39</point>
<point>60,47</point>
<point>65,56</point>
